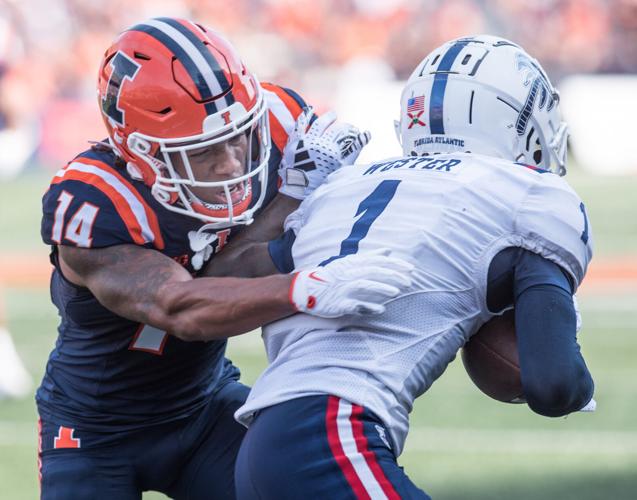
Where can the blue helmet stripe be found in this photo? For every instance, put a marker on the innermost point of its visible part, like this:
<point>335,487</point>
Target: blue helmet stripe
<point>205,52</point>
<point>184,58</point>
<point>297,98</point>
<point>439,86</point>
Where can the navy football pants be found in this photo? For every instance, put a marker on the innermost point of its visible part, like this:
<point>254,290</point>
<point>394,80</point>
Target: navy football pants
<point>191,458</point>
<point>319,447</point>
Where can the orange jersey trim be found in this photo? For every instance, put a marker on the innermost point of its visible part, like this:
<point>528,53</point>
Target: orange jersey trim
<point>277,131</point>
<point>119,201</point>
<point>290,103</point>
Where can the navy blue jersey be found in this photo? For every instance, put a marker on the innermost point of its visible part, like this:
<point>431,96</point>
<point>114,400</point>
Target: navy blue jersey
<point>105,370</point>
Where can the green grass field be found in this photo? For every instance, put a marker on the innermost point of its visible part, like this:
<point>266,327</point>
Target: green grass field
<point>462,445</point>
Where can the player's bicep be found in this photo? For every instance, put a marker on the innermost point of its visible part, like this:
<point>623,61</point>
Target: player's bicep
<point>515,269</point>
<point>127,279</point>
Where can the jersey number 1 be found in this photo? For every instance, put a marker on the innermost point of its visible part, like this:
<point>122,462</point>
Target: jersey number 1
<point>370,208</point>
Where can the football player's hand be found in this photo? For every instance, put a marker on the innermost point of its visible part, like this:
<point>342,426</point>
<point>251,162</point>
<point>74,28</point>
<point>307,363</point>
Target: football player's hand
<point>354,284</point>
<point>589,407</point>
<point>311,154</point>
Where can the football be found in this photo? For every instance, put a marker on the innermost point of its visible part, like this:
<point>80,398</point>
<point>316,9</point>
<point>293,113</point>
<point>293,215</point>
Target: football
<point>491,360</point>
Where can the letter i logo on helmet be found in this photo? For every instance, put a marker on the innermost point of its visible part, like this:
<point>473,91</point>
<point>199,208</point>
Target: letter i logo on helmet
<point>178,103</point>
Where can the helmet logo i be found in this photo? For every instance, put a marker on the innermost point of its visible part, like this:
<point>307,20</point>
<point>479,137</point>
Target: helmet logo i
<point>123,68</point>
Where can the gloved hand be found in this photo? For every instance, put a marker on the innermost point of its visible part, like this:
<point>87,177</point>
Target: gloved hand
<point>311,155</point>
<point>354,284</point>
<point>591,406</point>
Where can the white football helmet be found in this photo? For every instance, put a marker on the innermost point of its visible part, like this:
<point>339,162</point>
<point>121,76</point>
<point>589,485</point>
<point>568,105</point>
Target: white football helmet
<point>483,95</point>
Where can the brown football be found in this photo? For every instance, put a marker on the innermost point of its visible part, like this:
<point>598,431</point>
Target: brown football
<point>491,359</point>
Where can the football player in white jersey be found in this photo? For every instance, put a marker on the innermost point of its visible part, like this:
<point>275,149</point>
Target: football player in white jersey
<point>478,204</point>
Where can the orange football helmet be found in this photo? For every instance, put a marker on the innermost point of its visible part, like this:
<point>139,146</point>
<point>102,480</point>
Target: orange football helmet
<point>169,89</point>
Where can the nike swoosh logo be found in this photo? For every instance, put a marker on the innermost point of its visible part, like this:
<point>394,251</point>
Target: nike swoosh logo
<point>313,276</point>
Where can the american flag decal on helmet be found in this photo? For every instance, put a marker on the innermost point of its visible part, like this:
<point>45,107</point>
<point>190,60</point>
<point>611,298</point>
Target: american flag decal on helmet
<point>416,104</point>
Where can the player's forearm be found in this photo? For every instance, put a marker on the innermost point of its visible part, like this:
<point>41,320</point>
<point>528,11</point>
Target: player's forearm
<point>554,375</point>
<point>247,255</point>
<point>250,261</point>
<point>147,287</point>
<point>217,308</point>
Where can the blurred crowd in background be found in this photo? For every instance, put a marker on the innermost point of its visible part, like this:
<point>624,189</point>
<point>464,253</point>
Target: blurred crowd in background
<point>50,50</point>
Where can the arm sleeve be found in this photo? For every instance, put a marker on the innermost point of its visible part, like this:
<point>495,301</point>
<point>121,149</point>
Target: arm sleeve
<point>555,378</point>
<point>281,251</point>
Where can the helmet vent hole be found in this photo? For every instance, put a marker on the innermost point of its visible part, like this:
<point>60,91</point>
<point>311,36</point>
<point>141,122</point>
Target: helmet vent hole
<point>143,57</point>
<point>423,66</point>
<point>165,111</point>
<point>466,59</point>
<point>433,63</point>
<point>201,27</point>
<point>537,156</point>
<point>528,137</point>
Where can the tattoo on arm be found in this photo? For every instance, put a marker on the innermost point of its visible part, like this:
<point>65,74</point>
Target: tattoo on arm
<point>125,278</point>
<point>145,286</point>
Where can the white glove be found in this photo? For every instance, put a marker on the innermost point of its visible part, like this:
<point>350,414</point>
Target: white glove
<point>590,406</point>
<point>354,284</point>
<point>311,155</point>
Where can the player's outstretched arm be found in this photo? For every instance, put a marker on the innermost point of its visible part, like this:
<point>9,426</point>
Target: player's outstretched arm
<point>146,286</point>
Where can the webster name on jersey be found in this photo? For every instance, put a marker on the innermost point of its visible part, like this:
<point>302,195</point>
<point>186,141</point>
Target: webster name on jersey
<point>427,163</point>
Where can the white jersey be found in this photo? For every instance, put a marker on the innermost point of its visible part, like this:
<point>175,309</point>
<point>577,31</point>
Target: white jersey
<point>447,214</point>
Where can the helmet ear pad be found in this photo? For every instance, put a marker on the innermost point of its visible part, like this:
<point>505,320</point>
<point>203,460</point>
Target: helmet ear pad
<point>483,95</point>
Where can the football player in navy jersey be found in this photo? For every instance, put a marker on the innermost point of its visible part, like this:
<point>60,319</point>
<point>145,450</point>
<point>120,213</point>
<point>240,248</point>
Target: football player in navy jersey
<point>137,393</point>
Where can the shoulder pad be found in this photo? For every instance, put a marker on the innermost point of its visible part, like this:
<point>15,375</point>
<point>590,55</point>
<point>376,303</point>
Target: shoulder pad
<point>554,220</point>
<point>284,106</point>
<point>90,204</point>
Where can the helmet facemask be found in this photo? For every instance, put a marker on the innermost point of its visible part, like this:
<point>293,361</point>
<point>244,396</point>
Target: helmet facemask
<point>225,195</point>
